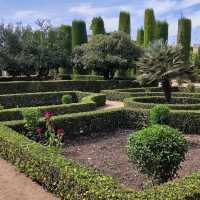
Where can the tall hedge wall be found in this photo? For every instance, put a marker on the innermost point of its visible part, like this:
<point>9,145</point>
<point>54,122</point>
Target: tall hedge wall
<point>125,22</point>
<point>184,36</point>
<point>79,33</point>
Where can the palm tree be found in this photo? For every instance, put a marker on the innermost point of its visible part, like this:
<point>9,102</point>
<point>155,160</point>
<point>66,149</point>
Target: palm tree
<point>162,63</point>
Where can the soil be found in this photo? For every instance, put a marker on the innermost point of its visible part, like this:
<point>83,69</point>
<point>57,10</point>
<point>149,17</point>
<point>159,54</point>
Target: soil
<point>108,155</point>
<point>16,186</point>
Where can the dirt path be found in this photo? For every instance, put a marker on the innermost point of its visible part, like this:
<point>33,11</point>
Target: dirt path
<point>16,186</point>
<point>112,105</point>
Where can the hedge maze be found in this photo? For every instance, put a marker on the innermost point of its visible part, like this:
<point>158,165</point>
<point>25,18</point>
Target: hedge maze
<point>66,178</point>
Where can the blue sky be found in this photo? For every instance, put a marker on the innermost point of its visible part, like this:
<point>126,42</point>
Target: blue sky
<point>64,11</point>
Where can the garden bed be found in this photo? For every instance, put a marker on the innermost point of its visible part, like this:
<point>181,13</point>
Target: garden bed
<point>107,153</point>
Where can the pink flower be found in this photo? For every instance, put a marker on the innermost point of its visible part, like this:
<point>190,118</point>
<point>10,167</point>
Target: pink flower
<point>48,115</point>
<point>39,131</point>
<point>60,131</point>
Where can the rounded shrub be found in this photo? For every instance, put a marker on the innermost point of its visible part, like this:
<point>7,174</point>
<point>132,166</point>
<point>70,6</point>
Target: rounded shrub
<point>66,99</point>
<point>159,114</point>
<point>157,151</point>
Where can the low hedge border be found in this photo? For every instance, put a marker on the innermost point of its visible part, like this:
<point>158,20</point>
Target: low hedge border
<point>62,85</point>
<point>36,99</point>
<point>120,95</point>
<point>40,98</point>
<point>68,180</point>
<point>87,102</point>
<point>144,102</point>
<point>87,77</point>
<point>64,178</point>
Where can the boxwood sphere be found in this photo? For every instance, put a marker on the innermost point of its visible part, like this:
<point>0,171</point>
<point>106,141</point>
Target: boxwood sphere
<point>157,151</point>
<point>66,99</point>
<point>159,114</point>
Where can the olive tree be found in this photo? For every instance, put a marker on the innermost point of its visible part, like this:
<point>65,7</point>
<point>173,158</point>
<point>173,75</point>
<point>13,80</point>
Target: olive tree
<point>107,53</point>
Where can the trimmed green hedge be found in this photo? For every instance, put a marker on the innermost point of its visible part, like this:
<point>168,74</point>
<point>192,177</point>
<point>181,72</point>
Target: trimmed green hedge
<point>183,103</point>
<point>36,99</point>
<point>86,102</point>
<point>78,77</point>
<point>64,178</point>
<point>68,180</point>
<point>117,95</point>
<point>60,85</point>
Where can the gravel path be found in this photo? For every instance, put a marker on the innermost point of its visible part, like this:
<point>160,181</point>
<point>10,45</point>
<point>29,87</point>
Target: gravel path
<point>112,105</point>
<point>16,186</point>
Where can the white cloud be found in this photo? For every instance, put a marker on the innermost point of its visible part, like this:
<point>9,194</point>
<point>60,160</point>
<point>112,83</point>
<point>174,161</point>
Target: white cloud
<point>111,23</point>
<point>28,15</point>
<point>88,9</point>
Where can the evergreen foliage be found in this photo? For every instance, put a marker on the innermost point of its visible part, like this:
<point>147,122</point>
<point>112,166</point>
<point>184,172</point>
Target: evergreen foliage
<point>184,36</point>
<point>140,36</point>
<point>161,32</point>
<point>149,27</point>
<point>79,33</point>
<point>97,26</point>
<point>125,22</point>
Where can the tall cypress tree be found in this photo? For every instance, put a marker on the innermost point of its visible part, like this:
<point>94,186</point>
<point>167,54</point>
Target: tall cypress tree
<point>97,26</point>
<point>125,22</point>
<point>79,33</point>
<point>161,32</point>
<point>184,36</point>
<point>140,36</point>
<point>149,27</point>
<point>65,34</point>
<point>65,42</point>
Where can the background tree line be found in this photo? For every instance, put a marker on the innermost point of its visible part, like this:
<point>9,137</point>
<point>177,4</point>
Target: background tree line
<point>24,51</point>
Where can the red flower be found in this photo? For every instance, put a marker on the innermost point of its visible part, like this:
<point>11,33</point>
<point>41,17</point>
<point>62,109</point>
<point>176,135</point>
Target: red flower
<point>48,115</point>
<point>60,131</point>
<point>39,131</point>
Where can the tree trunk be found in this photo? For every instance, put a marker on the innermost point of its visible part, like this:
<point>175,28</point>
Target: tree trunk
<point>166,85</point>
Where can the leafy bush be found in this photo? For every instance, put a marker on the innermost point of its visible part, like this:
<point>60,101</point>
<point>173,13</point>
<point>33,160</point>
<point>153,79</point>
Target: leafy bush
<point>157,151</point>
<point>31,116</point>
<point>159,114</point>
<point>66,99</point>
